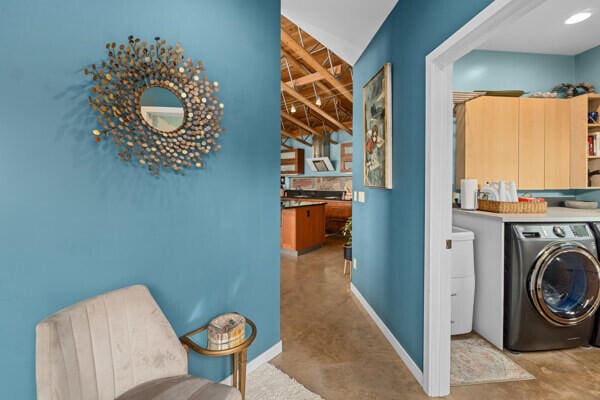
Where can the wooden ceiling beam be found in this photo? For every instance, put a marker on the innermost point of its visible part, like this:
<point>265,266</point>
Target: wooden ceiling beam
<point>287,146</point>
<point>296,64</point>
<point>310,78</point>
<point>289,135</point>
<point>307,128</point>
<point>309,60</point>
<point>316,109</point>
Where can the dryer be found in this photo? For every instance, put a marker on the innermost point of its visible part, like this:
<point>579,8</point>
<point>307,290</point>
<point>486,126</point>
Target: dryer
<point>552,286</point>
<point>595,341</point>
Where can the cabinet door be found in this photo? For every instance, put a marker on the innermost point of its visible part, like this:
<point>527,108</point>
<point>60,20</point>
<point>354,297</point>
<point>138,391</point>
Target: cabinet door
<point>531,143</point>
<point>579,142</point>
<point>346,157</point>
<point>310,226</point>
<point>491,139</point>
<point>288,229</point>
<point>557,148</point>
<point>292,162</point>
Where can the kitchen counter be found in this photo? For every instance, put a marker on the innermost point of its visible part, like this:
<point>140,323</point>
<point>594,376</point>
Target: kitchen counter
<point>313,199</point>
<point>553,214</point>
<point>296,204</point>
<point>337,211</point>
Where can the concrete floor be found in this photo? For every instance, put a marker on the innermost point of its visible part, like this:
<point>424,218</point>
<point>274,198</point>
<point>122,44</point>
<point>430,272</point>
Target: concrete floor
<point>332,347</point>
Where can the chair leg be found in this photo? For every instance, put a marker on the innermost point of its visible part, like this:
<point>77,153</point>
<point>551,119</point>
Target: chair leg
<point>347,267</point>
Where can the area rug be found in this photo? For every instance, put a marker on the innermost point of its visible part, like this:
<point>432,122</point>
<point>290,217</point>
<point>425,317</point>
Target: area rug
<point>269,383</point>
<point>475,361</point>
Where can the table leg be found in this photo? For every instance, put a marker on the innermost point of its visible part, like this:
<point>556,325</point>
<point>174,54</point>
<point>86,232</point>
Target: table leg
<point>242,370</point>
<point>235,373</point>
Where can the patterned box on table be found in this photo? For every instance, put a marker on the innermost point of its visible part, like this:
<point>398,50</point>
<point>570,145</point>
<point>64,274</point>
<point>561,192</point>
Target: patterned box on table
<point>226,331</point>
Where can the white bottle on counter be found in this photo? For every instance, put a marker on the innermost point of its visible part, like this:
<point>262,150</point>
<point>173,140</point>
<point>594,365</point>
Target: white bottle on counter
<point>468,194</point>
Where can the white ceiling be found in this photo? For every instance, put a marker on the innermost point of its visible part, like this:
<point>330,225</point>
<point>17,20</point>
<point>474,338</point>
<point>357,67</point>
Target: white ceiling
<point>345,27</point>
<point>543,30</point>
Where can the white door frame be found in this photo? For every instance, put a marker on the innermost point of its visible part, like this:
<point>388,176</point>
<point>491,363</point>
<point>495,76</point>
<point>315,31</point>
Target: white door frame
<point>438,184</point>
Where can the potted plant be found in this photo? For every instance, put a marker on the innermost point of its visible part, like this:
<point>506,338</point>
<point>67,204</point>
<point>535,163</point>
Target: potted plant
<point>347,233</point>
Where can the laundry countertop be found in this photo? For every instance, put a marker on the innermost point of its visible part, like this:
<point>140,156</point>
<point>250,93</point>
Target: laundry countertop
<point>552,214</point>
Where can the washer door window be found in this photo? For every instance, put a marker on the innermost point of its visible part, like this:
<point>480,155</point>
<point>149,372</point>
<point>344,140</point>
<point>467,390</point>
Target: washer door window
<point>565,284</point>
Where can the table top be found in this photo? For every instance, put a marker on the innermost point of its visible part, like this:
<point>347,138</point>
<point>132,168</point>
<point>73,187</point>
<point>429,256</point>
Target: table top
<point>198,341</point>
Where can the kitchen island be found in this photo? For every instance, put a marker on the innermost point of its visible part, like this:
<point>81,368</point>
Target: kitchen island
<point>302,226</point>
<point>337,211</point>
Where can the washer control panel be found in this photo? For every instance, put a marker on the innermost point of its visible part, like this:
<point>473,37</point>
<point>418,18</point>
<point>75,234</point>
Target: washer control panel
<point>555,231</point>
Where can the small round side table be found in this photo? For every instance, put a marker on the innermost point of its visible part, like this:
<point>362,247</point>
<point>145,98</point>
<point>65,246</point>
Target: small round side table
<point>197,340</point>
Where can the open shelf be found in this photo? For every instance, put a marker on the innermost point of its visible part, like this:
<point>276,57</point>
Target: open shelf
<point>593,125</point>
<point>593,157</point>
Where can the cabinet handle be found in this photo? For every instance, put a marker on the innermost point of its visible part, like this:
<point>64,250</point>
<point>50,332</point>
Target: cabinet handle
<point>308,213</point>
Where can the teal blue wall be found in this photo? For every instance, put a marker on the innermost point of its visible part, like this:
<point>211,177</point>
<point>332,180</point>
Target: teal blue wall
<point>587,67</point>
<point>495,70</point>
<point>388,228</point>
<point>77,222</point>
<point>334,155</point>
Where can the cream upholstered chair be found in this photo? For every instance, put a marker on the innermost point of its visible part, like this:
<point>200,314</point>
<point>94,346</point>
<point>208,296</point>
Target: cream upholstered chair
<point>117,346</point>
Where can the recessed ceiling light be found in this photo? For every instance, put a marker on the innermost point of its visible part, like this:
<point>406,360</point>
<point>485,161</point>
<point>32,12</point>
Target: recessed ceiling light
<point>577,18</point>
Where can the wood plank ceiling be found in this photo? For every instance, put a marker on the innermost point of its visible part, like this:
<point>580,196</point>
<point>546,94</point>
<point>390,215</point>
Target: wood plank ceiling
<point>316,88</point>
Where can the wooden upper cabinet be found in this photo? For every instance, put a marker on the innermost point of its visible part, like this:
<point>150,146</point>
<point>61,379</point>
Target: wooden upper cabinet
<point>557,121</point>
<point>531,144</point>
<point>579,142</point>
<point>346,157</point>
<point>527,140</point>
<point>292,162</point>
<point>491,141</point>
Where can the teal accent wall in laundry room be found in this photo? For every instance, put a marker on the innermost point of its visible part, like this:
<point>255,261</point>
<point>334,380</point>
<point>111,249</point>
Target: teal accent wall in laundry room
<point>497,70</point>
<point>75,221</point>
<point>388,229</point>
<point>587,67</point>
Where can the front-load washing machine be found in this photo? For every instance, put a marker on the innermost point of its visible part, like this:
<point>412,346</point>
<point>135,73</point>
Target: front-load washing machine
<point>595,341</point>
<point>551,286</point>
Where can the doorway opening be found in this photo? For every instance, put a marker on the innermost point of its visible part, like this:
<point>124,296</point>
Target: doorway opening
<point>316,144</point>
<point>447,72</point>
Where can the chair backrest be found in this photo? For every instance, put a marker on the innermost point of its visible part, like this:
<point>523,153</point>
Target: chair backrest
<point>104,346</point>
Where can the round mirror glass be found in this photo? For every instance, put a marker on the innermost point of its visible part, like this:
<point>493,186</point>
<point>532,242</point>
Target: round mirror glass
<point>161,109</point>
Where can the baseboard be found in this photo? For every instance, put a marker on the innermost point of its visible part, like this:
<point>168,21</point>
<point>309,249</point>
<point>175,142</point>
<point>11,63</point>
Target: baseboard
<point>261,359</point>
<point>408,361</point>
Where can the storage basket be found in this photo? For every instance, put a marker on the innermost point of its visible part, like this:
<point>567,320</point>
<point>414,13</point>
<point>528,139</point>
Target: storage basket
<point>505,207</point>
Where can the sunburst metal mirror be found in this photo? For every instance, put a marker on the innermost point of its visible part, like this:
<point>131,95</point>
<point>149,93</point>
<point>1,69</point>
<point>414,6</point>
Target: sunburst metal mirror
<point>157,107</point>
